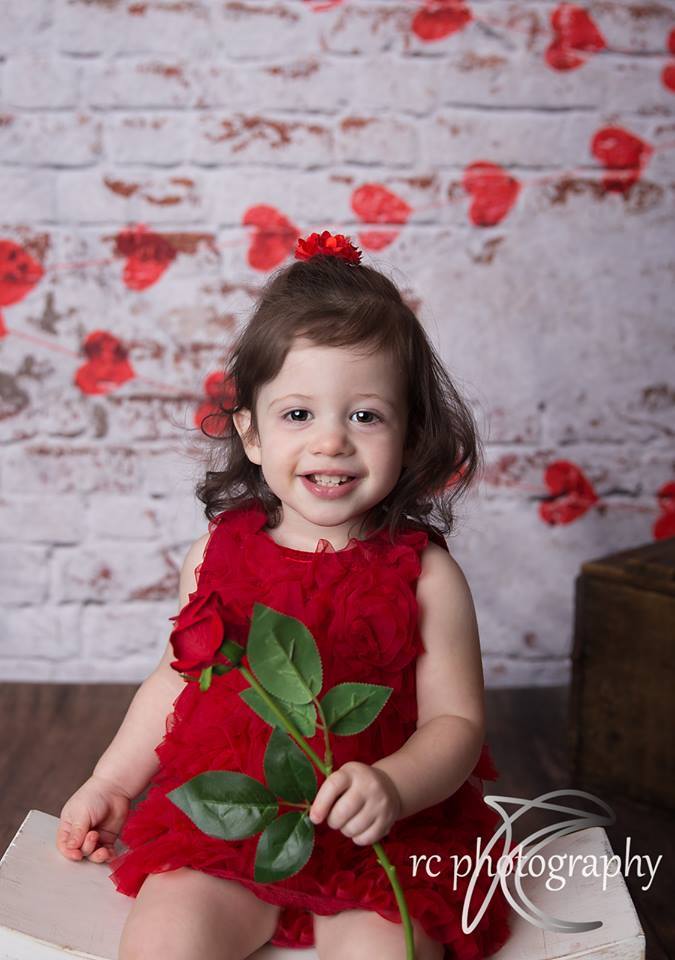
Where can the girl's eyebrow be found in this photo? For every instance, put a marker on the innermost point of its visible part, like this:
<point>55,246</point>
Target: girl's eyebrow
<point>360,396</point>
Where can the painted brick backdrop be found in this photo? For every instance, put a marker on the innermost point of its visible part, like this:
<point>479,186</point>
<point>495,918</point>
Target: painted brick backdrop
<point>510,165</point>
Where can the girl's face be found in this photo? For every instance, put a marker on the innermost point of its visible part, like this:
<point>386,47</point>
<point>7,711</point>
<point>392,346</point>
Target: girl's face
<point>329,409</point>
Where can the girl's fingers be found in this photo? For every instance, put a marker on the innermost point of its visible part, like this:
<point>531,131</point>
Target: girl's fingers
<point>76,836</point>
<point>62,834</point>
<point>345,809</point>
<point>367,837</point>
<point>76,841</point>
<point>96,848</point>
<point>89,843</point>
<point>100,855</point>
<point>358,824</point>
<point>72,853</point>
<point>327,794</point>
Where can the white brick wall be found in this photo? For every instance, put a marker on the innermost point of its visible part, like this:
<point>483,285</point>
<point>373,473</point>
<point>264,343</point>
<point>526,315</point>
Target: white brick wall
<point>191,118</point>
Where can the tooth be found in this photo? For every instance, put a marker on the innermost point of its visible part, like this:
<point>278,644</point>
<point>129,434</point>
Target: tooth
<point>329,481</point>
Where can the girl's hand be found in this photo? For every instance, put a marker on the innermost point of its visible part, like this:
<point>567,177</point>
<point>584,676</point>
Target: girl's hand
<point>368,806</point>
<point>91,821</point>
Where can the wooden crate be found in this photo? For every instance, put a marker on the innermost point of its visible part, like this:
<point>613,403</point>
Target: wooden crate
<point>622,697</point>
<point>52,908</point>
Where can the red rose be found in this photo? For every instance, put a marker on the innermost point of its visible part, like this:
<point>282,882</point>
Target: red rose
<point>198,633</point>
<point>328,245</point>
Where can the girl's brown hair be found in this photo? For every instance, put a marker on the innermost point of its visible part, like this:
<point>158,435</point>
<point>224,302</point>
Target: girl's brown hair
<point>334,303</point>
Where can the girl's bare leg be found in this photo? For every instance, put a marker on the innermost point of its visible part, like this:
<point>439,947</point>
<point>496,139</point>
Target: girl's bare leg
<point>188,915</point>
<point>364,934</point>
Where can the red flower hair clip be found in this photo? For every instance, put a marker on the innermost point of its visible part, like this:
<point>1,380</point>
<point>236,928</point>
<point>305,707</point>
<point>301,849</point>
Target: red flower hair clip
<point>331,245</point>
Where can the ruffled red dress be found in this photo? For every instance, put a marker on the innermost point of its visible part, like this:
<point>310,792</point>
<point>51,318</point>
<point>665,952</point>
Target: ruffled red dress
<point>359,604</point>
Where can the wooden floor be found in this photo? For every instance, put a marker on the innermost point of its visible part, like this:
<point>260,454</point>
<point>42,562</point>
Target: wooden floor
<point>53,735</point>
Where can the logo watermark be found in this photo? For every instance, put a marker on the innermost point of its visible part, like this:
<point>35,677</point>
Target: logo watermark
<point>529,860</point>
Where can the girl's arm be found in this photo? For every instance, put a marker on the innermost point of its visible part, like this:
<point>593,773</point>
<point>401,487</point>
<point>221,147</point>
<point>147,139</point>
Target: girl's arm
<point>436,760</point>
<point>130,761</point>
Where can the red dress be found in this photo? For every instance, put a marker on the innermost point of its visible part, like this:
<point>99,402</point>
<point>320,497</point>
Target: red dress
<point>359,604</point>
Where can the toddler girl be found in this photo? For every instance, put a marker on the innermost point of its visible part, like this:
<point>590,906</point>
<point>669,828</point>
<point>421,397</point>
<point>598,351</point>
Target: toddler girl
<point>345,432</point>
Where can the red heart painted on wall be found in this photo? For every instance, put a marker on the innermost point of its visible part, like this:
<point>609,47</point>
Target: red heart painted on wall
<point>274,239</point>
<point>665,524</point>
<point>668,72</point>
<point>107,365</point>
<point>572,494</point>
<point>148,255</point>
<point>219,389</point>
<point>440,18</point>
<point>573,31</point>
<point>376,239</point>
<point>19,273</point>
<point>622,152</point>
<point>374,203</point>
<point>493,192</point>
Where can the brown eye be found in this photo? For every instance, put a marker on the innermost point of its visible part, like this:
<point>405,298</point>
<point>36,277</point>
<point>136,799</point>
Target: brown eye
<point>297,410</point>
<point>368,413</point>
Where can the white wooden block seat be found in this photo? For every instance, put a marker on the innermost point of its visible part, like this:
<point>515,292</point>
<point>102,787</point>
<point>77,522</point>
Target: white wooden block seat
<point>52,908</point>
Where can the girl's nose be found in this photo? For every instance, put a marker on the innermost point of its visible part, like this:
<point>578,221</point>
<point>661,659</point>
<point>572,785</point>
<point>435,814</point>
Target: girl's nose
<point>332,439</point>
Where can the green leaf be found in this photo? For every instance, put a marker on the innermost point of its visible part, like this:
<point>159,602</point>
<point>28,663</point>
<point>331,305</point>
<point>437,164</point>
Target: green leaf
<point>205,679</point>
<point>284,847</point>
<point>301,715</point>
<point>288,771</point>
<point>226,804</point>
<point>283,655</point>
<point>351,707</point>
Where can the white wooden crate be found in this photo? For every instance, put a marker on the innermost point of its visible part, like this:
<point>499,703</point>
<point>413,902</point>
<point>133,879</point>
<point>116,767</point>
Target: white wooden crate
<point>52,908</point>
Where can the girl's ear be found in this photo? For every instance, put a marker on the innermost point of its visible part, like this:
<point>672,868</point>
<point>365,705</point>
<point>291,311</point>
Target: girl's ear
<point>242,423</point>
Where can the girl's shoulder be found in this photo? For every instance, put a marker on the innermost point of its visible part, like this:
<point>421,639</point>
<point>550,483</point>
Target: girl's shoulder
<point>440,573</point>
